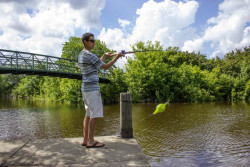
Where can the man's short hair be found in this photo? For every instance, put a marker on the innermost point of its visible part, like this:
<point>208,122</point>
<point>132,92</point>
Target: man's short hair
<point>86,36</point>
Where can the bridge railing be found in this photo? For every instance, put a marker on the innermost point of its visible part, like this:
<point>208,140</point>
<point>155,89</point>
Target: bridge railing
<point>37,62</point>
<point>17,62</point>
<point>31,61</point>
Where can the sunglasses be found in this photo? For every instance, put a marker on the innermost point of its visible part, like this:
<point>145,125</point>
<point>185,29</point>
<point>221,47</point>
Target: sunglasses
<point>91,40</point>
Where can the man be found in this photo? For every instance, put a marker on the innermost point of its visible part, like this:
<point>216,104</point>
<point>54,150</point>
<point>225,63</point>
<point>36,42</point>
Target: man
<point>89,64</point>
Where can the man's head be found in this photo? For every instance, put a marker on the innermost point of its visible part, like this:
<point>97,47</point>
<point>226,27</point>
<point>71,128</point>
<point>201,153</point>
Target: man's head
<point>88,41</point>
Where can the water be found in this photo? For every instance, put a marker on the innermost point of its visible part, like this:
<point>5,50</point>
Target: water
<point>187,134</point>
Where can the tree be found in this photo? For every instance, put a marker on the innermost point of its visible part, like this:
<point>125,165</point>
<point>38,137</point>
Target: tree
<point>3,86</point>
<point>160,75</point>
<point>28,87</point>
<point>111,92</point>
<point>145,73</point>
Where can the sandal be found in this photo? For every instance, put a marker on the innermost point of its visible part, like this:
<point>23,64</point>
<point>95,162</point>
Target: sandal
<point>95,145</point>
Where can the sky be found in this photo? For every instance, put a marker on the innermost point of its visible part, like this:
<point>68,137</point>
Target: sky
<point>213,27</point>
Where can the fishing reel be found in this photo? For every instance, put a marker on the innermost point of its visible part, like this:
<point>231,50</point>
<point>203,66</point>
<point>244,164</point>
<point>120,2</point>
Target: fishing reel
<point>123,53</point>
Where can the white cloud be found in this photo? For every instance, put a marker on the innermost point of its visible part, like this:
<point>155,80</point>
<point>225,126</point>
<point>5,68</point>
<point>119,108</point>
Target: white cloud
<point>195,45</point>
<point>114,38</point>
<point>43,26</point>
<point>123,23</point>
<point>168,22</point>
<point>227,31</point>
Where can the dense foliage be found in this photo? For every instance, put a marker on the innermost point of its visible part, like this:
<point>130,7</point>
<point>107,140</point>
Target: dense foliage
<point>163,75</point>
<point>173,75</point>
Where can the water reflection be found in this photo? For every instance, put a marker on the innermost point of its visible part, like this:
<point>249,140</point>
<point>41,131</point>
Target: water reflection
<point>24,119</point>
<point>203,134</point>
<point>214,134</point>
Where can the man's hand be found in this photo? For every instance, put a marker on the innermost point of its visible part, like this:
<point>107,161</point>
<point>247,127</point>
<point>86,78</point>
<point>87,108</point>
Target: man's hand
<point>105,55</point>
<point>109,64</point>
<point>119,54</point>
<point>109,54</point>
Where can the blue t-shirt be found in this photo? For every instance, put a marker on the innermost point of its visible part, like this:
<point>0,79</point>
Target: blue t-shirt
<point>89,64</point>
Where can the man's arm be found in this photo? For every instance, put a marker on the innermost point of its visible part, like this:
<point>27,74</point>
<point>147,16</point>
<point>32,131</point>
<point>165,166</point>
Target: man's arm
<point>103,58</point>
<point>105,55</point>
<point>112,62</point>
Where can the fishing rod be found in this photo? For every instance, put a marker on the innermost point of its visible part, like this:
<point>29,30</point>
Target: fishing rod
<point>135,51</point>
<point>130,52</point>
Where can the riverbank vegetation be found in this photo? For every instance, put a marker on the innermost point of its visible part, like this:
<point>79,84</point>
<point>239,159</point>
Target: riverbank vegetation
<point>163,75</point>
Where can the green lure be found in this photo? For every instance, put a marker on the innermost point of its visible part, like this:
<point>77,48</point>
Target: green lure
<point>160,108</point>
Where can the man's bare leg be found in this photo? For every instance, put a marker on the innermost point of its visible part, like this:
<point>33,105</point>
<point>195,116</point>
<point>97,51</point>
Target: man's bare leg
<point>92,123</point>
<point>86,130</point>
<point>91,141</point>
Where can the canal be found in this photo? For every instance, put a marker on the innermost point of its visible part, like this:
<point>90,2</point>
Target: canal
<point>186,134</point>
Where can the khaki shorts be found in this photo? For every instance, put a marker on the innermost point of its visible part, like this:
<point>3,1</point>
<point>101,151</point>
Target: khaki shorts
<point>93,104</point>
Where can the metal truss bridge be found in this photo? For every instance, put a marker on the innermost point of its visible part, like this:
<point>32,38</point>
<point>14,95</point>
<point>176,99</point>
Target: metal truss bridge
<point>17,62</point>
